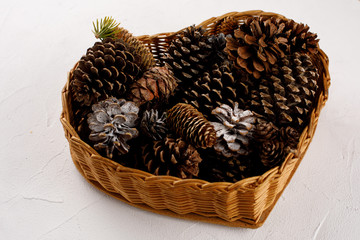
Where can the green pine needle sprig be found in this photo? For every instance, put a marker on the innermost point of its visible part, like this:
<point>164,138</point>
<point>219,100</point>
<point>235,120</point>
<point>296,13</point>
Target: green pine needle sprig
<point>105,28</point>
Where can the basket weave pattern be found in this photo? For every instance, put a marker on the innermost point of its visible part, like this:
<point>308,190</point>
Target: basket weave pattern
<point>246,203</point>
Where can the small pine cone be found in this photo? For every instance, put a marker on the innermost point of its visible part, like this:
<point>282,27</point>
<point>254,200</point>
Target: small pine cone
<point>218,44</point>
<point>143,57</point>
<point>172,157</point>
<point>290,136</point>
<point>220,169</point>
<point>287,96</point>
<point>80,121</point>
<point>261,41</point>
<point>233,131</point>
<point>214,88</point>
<point>191,125</point>
<point>265,131</point>
<point>153,125</point>
<point>106,70</point>
<point>187,55</point>
<point>226,26</point>
<point>156,85</point>
<point>271,153</point>
<point>112,124</point>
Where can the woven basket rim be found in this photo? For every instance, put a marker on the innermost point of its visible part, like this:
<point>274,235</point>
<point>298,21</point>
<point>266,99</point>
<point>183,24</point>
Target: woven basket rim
<point>213,19</point>
<point>250,183</point>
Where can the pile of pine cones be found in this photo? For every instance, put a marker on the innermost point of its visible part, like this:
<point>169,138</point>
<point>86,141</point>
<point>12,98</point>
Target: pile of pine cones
<point>220,105</point>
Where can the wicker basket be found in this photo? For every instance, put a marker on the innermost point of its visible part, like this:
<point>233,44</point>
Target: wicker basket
<point>246,203</point>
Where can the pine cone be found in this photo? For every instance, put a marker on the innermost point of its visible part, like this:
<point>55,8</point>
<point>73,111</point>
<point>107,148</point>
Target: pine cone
<point>233,131</point>
<point>187,55</point>
<point>290,137</point>
<point>225,26</point>
<point>300,39</point>
<point>143,57</point>
<point>191,125</point>
<point>106,70</point>
<point>156,85</point>
<point>244,84</point>
<point>215,169</point>
<point>288,95</point>
<point>216,87</point>
<point>271,153</point>
<point>153,125</point>
<point>265,131</point>
<point>218,54</point>
<point>170,156</point>
<point>112,124</point>
<point>261,41</point>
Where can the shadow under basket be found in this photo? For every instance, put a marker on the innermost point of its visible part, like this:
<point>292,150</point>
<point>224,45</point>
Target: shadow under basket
<point>246,203</point>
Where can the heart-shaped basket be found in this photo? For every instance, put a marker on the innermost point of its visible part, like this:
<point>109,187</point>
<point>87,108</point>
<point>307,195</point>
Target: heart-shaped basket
<point>246,203</point>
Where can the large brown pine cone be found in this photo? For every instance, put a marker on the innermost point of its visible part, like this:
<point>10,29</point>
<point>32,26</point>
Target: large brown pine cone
<point>106,70</point>
<point>187,122</point>
<point>261,41</point>
<point>287,96</point>
<point>187,55</point>
<point>171,156</point>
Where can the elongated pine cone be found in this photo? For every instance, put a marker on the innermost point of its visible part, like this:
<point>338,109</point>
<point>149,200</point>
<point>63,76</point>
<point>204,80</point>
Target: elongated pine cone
<point>112,124</point>
<point>156,85</point>
<point>190,124</point>
<point>143,57</point>
<point>261,41</point>
<point>233,131</point>
<point>171,156</point>
<point>153,124</point>
<point>187,55</point>
<point>105,71</point>
<point>287,96</point>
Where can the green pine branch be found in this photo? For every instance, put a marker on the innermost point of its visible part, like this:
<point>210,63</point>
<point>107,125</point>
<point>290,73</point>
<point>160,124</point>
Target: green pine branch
<point>105,28</point>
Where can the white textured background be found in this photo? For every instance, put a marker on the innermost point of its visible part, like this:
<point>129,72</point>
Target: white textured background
<point>42,196</point>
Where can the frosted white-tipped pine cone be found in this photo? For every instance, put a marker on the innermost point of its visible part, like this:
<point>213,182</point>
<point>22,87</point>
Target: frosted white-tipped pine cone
<point>112,124</point>
<point>233,131</point>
